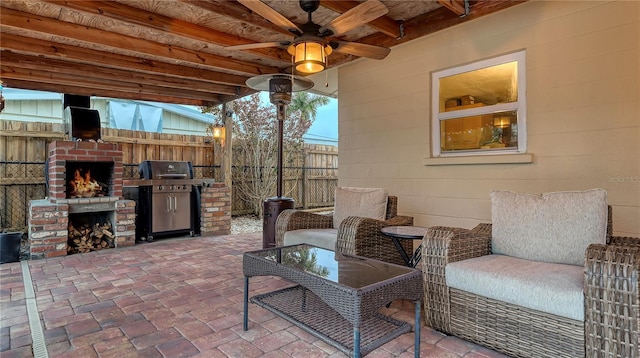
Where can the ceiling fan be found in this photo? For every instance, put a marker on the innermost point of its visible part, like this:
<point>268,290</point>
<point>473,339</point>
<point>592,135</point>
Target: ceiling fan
<point>312,42</point>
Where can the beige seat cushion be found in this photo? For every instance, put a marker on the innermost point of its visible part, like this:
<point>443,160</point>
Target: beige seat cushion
<point>362,202</point>
<point>551,227</point>
<point>324,238</point>
<point>552,288</point>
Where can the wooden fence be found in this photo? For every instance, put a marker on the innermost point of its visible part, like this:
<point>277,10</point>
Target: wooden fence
<point>310,179</point>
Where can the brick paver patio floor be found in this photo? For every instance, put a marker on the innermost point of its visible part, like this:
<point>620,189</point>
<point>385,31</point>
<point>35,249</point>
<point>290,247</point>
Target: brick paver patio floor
<point>177,297</point>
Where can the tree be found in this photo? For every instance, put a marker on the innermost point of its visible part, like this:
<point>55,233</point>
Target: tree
<point>255,143</point>
<point>307,104</point>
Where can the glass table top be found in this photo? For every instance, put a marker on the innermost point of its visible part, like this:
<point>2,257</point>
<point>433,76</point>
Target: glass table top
<point>351,271</point>
<point>405,232</point>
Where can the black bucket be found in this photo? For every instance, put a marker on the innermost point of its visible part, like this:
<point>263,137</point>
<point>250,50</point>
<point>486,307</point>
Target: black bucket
<point>10,246</point>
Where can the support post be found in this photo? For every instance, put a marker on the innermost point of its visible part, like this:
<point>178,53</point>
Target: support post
<point>281,108</point>
<point>227,148</point>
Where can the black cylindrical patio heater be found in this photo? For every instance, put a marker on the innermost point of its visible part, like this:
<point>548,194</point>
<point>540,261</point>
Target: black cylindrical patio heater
<point>280,87</point>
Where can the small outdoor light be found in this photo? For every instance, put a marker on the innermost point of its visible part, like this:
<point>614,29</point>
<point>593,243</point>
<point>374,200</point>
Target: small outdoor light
<point>217,131</point>
<point>309,56</point>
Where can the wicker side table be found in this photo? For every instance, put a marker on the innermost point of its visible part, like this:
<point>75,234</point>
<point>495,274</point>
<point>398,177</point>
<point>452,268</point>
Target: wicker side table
<point>336,297</point>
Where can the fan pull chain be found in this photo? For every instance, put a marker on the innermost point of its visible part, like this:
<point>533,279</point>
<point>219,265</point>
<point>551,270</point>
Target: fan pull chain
<point>326,73</point>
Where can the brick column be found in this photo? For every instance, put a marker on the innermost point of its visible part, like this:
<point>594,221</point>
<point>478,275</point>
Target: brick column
<point>48,227</point>
<point>215,210</point>
<point>125,223</point>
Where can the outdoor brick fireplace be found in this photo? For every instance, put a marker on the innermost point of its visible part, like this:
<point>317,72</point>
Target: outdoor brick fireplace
<point>85,199</point>
<point>68,158</point>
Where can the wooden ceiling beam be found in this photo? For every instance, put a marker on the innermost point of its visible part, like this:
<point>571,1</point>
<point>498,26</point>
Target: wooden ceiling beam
<point>114,85</point>
<point>235,10</point>
<point>456,6</point>
<point>74,54</point>
<point>28,22</point>
<point>243,92</point>
<point>160,22</point>
<point>428,23</point>
<point>87,91</point>
<point>439,19</point>
<point>93,71</point>
<point>384,24</point>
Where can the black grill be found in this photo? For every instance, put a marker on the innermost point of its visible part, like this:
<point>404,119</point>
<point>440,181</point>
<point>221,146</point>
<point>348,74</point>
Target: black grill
<point>167,199</point>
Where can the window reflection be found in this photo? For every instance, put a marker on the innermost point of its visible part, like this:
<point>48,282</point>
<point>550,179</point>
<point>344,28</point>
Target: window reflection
<point>305,259</point>
<point>487,131</point>
<point>485,86</point>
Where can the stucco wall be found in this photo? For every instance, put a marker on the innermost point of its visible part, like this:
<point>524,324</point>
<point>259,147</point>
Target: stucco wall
<point>583,120</point>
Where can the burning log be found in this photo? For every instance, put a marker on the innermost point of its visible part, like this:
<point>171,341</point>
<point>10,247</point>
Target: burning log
<point>84,186</point>
<point>88,238</point>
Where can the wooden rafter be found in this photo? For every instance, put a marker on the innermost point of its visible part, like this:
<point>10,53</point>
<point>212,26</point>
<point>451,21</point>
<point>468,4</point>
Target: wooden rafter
<point>93,71</point>
<point>98,83</point>
<point>78,55</point>
<point>456,6</point>
<point>384,24</point>
<point>177,27</point>
<point>237,11</point>
<point>84,34</point>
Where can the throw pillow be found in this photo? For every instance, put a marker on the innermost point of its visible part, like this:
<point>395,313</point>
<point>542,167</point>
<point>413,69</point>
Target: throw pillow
<point>363,202</point>
<point>552,227</point>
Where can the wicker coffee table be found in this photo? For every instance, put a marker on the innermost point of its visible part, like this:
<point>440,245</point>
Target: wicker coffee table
<point>336,297</point>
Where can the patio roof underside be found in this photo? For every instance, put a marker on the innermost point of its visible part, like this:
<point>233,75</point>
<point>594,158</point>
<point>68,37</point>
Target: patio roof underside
<point>173,51</point>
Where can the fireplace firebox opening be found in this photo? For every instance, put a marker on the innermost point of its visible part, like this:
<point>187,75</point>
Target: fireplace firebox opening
<point>89,179</point>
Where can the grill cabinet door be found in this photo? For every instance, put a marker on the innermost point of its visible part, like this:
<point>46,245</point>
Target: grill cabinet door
<point>161,212</point>
<point>181,211</point>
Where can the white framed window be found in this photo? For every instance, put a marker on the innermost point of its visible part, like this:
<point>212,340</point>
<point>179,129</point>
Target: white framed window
<point>480,108</point>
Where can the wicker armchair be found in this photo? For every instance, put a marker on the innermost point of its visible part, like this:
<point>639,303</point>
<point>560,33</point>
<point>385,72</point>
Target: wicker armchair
<point>356,235</point>
<point>611,301</point>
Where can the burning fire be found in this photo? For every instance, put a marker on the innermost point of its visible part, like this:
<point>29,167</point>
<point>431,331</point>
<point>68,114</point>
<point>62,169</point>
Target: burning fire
<point>84,187</point>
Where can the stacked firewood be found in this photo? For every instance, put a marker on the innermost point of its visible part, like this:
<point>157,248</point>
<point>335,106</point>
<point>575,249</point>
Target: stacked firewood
<point>85,238</point>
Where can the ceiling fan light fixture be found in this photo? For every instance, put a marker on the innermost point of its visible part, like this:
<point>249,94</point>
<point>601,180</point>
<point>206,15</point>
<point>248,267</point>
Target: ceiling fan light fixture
<point>310,56</point>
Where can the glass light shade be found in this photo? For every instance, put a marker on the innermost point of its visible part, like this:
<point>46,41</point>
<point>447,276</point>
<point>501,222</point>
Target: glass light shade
<point>310,57</point>
<point>218,132</point>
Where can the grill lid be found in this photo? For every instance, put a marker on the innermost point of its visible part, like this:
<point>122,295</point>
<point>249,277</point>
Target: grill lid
<point>165,169</point>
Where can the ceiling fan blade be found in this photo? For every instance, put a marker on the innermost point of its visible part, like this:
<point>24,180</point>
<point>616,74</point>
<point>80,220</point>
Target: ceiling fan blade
<point>361,50</point>
<point>357,16</point>
<point>256,45</point>
<point>270,14</point>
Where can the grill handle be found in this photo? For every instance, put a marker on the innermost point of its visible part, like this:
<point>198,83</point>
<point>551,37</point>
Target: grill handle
<point>172,176</point>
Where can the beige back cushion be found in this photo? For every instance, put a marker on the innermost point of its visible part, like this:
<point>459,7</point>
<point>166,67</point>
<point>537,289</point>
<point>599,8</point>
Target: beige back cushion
<point>363,202</point>
<point>551,227</point>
